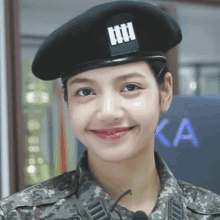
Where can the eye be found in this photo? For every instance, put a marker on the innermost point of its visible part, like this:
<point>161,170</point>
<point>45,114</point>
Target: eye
<point>84,91</point>
<point>131,87</point>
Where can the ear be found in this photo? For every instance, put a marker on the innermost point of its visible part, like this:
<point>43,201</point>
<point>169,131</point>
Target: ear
<point>62,93</point>
<point>167,93</point>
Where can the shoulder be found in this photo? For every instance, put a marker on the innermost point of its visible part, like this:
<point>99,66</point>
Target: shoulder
<point>199,200</point>
<point>45,193</point>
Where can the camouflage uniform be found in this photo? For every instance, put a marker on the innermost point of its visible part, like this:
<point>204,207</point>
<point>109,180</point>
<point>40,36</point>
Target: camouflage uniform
<point>74,195</point>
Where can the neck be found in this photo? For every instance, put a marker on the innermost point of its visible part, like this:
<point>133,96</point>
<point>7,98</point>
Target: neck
<point>138,174</point>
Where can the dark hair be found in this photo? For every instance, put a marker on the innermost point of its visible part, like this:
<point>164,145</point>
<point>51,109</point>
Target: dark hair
<point>155,67</point>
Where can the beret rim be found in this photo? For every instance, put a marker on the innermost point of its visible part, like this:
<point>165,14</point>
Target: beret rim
<point>109,62</point>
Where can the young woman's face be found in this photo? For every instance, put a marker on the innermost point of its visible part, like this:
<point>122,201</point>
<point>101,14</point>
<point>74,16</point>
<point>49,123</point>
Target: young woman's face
<point>113,100</point>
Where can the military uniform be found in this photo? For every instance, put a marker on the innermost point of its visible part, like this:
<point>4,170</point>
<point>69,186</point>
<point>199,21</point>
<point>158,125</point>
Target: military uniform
<point>75,195</point>
<point>110,34</point>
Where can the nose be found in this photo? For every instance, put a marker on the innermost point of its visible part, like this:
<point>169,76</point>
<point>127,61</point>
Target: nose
<point>109,108</point>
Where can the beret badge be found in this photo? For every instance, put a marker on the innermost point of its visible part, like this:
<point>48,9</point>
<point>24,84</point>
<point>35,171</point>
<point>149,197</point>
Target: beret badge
<point>121,34</point>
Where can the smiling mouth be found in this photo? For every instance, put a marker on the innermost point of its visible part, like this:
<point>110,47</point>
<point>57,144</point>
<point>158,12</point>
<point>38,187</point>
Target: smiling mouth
<point>130,128</point>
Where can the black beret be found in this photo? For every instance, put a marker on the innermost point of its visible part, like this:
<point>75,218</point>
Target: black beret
<point>109,34</point>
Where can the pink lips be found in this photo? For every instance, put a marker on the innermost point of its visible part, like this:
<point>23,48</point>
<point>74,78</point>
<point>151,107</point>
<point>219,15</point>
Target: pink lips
<point>112,134</point>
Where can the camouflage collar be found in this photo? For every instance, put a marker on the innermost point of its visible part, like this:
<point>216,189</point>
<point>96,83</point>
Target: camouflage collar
<point>170,203</point>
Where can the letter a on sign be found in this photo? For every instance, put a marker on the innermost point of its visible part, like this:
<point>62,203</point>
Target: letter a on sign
<point>185,124</point>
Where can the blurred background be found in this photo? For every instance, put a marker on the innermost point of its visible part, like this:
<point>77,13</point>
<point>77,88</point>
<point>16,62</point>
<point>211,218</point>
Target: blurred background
<point>36,138</point>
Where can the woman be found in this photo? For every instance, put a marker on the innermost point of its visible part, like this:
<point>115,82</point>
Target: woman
<point>111,60</point>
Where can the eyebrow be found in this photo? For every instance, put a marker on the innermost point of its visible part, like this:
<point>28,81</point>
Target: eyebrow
<point>120,78</point>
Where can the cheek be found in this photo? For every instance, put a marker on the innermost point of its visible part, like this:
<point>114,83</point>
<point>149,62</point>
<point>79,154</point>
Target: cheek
<point>79,116</point>
<point>146,102</point>
<point>145,109</point>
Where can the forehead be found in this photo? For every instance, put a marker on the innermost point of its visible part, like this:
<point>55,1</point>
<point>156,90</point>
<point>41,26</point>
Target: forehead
<point>113,73</point>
